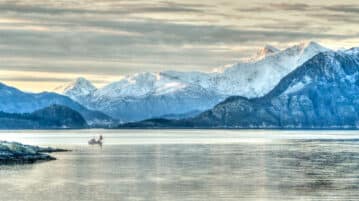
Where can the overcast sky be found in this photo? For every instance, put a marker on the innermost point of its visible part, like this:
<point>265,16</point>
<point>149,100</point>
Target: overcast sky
<point>45,43</point>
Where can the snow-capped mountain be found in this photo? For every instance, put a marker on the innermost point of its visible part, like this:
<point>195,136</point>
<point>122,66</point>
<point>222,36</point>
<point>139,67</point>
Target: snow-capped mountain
<point>255,77</point>
<point>77,89</point>
<point>143,95</point>
<point>147,95</point>
<point>321,93</point>
<point>182,101</point>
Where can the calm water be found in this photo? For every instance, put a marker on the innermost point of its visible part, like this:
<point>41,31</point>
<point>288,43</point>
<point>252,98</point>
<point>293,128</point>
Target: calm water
<point>187,165</point>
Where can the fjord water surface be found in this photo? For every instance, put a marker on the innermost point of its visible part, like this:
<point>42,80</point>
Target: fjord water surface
<point>187,165</point>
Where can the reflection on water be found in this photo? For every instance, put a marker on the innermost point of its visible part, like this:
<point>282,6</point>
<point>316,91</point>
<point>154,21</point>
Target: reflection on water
<point>313,168</point>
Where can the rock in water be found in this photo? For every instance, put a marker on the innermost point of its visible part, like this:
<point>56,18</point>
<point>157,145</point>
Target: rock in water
<point>17,153</point>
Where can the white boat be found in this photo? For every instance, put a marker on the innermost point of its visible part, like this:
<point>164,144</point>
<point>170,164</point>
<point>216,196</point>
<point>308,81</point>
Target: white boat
<point>93,141</point>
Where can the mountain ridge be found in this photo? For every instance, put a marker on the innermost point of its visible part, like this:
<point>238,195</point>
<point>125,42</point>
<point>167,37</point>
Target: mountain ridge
<point>323,93</point>
<point>201,91</point>
<point>14,100</point>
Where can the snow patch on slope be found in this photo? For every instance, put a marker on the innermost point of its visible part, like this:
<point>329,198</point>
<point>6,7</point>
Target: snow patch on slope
<point>298,86</point>
<point>141,85</point>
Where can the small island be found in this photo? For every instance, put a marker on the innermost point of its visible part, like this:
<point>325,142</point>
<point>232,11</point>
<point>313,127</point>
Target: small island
<point>17,153</point>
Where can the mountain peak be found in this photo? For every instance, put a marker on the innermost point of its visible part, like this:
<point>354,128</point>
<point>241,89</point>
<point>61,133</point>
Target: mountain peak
<point>81,80</point>
<point>78,87</point>
<point>269,49</point>
<point>84,83</point>
<point>265,51</point>
<point>312,45</point>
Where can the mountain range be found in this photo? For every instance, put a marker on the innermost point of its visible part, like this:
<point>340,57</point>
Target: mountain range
<point>184,94</point>
<point>321,93</point>
<point>303,86</point>
<point>15,101</point>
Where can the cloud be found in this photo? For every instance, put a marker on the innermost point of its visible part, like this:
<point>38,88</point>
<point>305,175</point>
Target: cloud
<point>337,18</point>
<point>118,9</point>
<point>277,6</point>
<point>32,79</point>
<point>112,37</point>
<point>353,8</point>
<point>288,6</point>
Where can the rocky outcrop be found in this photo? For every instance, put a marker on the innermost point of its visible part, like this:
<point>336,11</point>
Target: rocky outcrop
<point>17,153</point>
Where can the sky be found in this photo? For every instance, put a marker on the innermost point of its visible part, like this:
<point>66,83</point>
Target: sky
<point>46,43</point>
